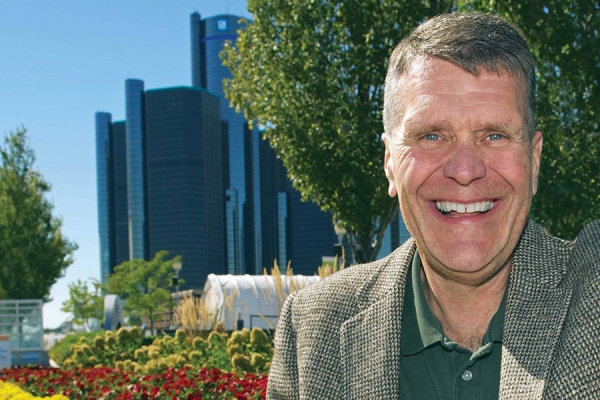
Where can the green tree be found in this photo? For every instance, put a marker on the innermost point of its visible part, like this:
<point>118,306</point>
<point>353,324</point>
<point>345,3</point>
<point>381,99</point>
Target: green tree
<point>144,285</point>
<point>33,251</point>
<point>564,37</point>
<point>84,302</point>
<point>312,72</point>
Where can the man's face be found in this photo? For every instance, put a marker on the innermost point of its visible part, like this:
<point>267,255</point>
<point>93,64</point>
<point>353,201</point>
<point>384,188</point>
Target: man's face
<point>463,167</point>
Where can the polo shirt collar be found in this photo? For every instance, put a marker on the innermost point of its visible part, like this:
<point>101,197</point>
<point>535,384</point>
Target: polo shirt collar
<point>420,327</point>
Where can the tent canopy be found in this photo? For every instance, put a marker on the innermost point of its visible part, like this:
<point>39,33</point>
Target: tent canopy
<point>254,299</point>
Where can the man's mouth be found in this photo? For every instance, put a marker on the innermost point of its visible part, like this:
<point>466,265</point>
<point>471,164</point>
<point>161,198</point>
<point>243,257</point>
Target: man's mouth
<point>449,207</point>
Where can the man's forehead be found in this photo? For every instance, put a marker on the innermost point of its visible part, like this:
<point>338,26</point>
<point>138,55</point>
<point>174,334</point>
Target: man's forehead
<point>423,66</point>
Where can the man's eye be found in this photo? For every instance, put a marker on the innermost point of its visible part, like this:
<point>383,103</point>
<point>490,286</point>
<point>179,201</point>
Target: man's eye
<point>431,136</point>
<point>495,136</point>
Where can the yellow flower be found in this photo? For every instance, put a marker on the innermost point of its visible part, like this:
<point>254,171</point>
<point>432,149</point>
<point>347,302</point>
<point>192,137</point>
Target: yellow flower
<point>9,391</point>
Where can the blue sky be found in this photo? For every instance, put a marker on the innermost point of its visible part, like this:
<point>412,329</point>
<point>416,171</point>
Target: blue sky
<point>63,60</point>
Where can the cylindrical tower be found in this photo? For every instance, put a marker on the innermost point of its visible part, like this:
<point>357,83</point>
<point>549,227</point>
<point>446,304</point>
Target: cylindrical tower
<point>134,111</point>
<point>195,39</point>
<point>244,175</point>
<point>103,126</point>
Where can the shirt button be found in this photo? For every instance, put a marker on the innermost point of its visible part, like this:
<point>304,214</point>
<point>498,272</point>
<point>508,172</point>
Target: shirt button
<point>467,375</point>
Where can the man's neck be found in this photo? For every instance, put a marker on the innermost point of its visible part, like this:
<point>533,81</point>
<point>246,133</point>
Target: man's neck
<point>464,311</point>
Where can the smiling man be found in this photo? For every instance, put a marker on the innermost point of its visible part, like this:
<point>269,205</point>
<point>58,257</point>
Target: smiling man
<point>481,304</point>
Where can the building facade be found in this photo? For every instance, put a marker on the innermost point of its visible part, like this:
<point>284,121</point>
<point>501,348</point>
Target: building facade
<point>243,202</point>
<point>103,182</point>
<point>185,173</point>
<point>174,200</point>
<point>136,202</point>
<point>185,194</point>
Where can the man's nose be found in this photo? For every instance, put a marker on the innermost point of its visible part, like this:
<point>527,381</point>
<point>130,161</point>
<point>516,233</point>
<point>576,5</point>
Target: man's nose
<point>465,164</point>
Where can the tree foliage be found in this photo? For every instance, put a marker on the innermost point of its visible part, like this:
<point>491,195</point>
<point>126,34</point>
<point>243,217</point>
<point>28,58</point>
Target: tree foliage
<point>312,72</point>
<point>84,302</point>
<point>144,285</point>
<point>563,35</point>
<point>33,251</point>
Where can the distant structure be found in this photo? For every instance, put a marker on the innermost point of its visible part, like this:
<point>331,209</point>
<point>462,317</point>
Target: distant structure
<point>243,202</point>
<point>184,179</point>
<point>395,234</point>
<point>186,174</point>
<point>134,139</point>
<point>177,200</point>
<point>293,230</point>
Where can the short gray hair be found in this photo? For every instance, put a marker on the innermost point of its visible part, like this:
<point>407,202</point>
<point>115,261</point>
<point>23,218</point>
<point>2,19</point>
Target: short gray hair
<point>473,41</point>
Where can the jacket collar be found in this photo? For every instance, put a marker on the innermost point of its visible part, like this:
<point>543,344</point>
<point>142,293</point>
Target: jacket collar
<point>535,311</point>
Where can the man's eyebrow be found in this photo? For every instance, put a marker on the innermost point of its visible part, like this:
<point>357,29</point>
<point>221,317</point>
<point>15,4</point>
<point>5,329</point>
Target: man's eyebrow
<point>412,126</point>
<point>416,127</point>
<point>501,127</point>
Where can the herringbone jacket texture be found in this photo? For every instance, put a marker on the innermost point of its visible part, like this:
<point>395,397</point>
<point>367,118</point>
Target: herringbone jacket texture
<point>340,338</point>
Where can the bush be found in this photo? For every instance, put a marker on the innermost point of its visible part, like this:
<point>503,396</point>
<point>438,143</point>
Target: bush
<point>105,348</point>
<point>61,350</point>
<point>244,351</point>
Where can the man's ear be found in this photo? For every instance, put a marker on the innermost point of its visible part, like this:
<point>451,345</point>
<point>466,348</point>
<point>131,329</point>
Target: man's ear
<point>388,166</point>
<point>536,155</point>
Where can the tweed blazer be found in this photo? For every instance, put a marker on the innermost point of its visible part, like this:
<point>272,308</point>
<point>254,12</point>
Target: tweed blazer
<point>340,338</point>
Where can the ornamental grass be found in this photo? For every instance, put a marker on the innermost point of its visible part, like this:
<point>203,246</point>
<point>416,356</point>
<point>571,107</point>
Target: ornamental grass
<point>105,383</point>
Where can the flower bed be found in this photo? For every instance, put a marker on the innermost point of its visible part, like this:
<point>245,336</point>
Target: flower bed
<point>9,391</point>
<point>109,384</point>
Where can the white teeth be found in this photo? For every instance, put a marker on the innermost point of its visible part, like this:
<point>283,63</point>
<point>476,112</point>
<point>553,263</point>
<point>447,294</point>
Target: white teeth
<point>447,206</point>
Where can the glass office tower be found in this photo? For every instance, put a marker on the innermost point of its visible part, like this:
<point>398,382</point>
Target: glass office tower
<point>185,194</point>
<point>111,180</point>
<point>160,181</point>
<point>244,232</point>
<point>134,112</point>
<point>118,200</point>
<point>103,159</point>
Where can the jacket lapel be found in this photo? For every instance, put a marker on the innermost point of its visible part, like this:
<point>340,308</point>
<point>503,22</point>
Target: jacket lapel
<point>537,304</point>
<point>370,350</point>
<point>536,309</point>
<point>370,341</point>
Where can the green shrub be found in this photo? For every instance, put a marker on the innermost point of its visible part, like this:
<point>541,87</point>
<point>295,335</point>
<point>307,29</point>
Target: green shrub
<point>126,349</point>
<point>106,348</point>
<point>61,350</point>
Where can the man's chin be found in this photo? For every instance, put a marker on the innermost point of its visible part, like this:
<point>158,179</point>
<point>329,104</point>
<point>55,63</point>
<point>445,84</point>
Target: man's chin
<point>467,267</point>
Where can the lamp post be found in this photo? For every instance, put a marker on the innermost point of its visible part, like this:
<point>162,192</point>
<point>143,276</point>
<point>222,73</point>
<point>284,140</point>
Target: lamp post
<point>339,231</point>
<point>177,265</point>
<point>338,248</point>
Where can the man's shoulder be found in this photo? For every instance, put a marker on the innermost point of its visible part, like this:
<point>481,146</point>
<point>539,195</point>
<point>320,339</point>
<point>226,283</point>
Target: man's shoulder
<point>545,258</point>
<point>585,257</point>
<point>588,240</point>
<point>358,285</point>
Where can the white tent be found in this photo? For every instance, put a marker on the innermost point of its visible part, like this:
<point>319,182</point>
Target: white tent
<point>254,299</point>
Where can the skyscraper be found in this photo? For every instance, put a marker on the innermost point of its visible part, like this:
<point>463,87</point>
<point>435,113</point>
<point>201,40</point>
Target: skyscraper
<point>294,232</point>
<point>184,180</point>
<point>134,112</point>
<point>160,181</point>
<point>186,173</point>
<point>243,202</point>
<point>119,221</point>
<point>103,182</point>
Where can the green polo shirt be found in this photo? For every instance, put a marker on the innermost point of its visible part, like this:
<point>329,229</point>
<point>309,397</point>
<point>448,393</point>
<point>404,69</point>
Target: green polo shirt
<point>432,366</point>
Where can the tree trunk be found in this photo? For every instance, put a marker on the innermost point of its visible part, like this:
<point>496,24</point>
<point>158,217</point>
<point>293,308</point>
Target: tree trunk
<point>366,245</point>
